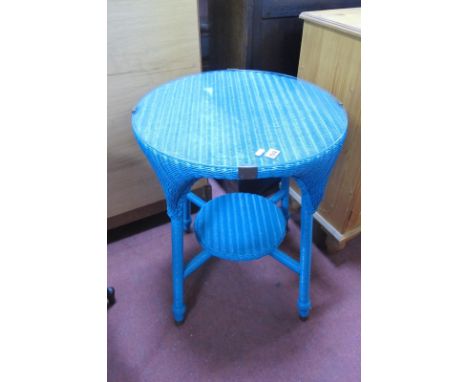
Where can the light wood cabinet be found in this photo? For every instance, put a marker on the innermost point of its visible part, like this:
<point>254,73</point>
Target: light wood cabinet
<point>331,58</point>
<point>149,42</point>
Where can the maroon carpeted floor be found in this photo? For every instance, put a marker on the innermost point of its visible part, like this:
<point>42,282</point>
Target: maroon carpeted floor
<point>241,323</point>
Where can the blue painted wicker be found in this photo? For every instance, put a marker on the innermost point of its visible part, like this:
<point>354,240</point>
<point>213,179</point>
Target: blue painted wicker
<point>240,227</point>
<point>211,125</point>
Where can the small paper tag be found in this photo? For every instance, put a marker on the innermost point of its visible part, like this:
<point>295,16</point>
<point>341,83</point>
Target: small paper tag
<point>272,153</point>
<point>259,152</point>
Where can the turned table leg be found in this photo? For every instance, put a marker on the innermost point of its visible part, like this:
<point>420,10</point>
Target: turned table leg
<point>284,186</point>
<point>304,303</point>
<point>178,307</point>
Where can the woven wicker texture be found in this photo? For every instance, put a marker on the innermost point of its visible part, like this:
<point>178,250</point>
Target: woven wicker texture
<point>208,125</point>
<point>240,226</point>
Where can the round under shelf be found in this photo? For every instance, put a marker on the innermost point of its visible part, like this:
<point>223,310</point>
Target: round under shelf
<point>240,226</point>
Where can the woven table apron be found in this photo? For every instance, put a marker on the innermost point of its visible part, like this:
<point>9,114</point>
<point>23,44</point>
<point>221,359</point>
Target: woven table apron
<point>240,124</point>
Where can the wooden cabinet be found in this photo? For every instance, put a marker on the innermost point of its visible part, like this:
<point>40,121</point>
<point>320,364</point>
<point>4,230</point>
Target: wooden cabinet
<point>149,42</point>
<point>261,34</point>
<point>331,58</point>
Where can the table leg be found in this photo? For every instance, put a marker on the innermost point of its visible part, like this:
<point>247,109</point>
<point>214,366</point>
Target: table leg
<point>178,307</point>
<point>303,303</point>
<point>187,215</point>
<point>284,186</point>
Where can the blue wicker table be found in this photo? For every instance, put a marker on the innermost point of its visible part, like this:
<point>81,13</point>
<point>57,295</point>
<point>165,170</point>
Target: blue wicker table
<point>240,124</point>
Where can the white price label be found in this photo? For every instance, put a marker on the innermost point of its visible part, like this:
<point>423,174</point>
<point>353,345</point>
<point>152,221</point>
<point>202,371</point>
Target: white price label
<point>259,152</point>
<point>272,153</point>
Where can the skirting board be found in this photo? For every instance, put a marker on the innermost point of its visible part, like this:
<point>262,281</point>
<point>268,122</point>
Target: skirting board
<point>327,226</point>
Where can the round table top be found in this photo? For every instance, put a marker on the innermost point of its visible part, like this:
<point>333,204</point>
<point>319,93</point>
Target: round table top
<point>227,118</point>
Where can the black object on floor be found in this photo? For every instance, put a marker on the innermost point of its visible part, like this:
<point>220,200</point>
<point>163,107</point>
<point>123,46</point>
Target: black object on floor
<point>110,297</point>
